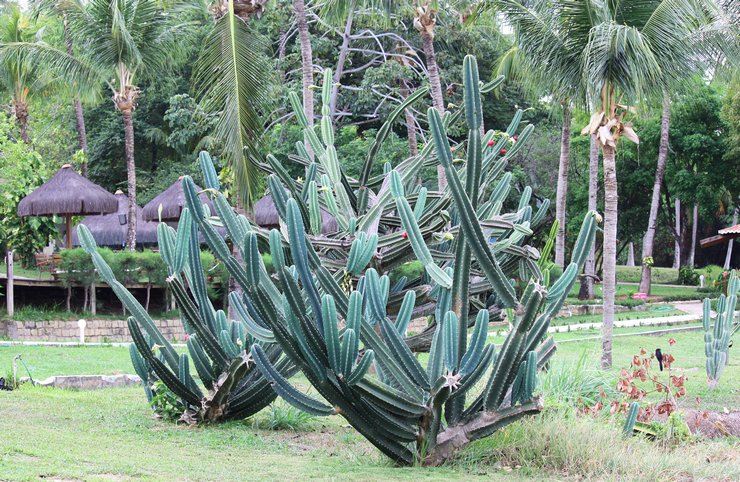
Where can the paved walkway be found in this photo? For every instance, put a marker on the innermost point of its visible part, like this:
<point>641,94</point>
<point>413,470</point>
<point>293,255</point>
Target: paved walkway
<point>693,310</point>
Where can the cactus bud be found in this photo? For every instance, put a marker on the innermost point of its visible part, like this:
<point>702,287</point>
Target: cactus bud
<point>490,143</point>
<point>404,235</point>
<point>503,151</point>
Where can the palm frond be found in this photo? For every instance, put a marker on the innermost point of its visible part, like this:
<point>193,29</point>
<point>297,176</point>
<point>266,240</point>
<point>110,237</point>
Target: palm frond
<point>231,78</point>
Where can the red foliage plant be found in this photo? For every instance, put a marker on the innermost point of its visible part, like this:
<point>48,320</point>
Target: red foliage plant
<point>639,380</point>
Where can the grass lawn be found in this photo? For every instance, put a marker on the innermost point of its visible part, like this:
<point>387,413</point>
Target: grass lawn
<point>658,292</point>
<point>25,272</point>
<point>653,311</point>
<point>111,434</point>
<point>632,274</point>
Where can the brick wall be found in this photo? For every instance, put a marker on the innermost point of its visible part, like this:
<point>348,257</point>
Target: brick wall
<point>95,331</point>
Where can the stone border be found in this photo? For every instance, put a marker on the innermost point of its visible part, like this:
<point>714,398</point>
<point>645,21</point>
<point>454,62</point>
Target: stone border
<point>100,331</point>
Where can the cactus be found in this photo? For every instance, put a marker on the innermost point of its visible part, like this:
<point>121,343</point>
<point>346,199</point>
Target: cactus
<point>629,423</point>
<point>231,387</point>
<point>335,315</point>
<point>717,341</point>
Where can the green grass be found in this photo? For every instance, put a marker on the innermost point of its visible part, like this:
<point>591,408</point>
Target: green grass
<point>631,274</point>
<point>651,312</point>
<point>688,351</point>
<point>659,292</point>
<point>81,435</point>
<point>25,272</point>
<point>46,361</point>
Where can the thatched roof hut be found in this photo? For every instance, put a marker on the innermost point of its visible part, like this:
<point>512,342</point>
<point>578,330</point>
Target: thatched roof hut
<point>265,214</point>
<point>172,201</point>
<point>112,229</point>
<point>67,193</point>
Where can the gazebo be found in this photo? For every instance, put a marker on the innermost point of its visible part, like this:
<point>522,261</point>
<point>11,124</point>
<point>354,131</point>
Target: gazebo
<point>112,229</point>
<point>172,201</point>
<point>723,236</point>
<point>266,215</point>
<point>68,194</point>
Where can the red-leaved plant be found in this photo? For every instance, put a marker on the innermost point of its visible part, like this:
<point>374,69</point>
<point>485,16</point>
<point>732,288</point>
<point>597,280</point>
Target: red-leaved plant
<point>640,380</point>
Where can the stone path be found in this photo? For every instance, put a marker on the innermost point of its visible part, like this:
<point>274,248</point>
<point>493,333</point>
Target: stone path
<point>693,310</point>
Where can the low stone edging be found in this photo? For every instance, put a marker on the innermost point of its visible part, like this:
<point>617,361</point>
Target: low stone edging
<point>95,331</point>
<point>87,382</point>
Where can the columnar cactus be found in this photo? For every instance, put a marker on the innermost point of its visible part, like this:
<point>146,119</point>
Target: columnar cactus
<point>717,340</point>
<point>230,387</point>
<point>421,228</point>
<point>332,317</point>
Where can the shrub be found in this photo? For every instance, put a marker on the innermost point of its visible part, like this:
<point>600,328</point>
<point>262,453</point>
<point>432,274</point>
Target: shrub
<point>688,276</point>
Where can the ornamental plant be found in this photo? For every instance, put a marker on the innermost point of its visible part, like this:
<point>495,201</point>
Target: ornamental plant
<point>717,338</point>
<point>332,315</point>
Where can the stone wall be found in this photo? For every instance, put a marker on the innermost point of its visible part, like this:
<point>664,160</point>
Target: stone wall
<point>95,331</point>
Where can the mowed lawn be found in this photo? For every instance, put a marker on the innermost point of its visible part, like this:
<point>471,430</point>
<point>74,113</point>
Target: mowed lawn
<point>111,434</point>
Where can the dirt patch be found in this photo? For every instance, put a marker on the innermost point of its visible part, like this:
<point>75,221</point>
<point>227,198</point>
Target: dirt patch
<point>710,424</point>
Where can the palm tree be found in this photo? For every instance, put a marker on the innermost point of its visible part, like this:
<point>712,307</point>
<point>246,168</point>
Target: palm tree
<point>231,77</point>
<point>121,40</point>
<point>710,39</point>
<point>54,7</point>
<point>618,53</point>
<point>20,75</point>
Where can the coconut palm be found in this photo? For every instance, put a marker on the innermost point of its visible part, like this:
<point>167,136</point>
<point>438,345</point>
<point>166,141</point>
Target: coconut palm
<point>619,52</point>
<point>55,7</point>
<point>21,76</point>
<point>231,77</point>
<point>540,80</point>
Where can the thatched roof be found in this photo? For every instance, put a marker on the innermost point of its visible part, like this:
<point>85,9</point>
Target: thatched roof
<point>172,200</point>
<point>108,230</point>
<point>266,215</point>
<point>67,193</point>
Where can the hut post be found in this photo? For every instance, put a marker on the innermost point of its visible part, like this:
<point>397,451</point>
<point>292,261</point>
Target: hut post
<point>93,299</point>
<point>69,231</point>
<point>9,289</point>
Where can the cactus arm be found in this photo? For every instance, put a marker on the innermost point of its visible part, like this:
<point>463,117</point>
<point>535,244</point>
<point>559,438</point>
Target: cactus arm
<point>285,389</point>
<point>629,423</point>
<point>172,382</point>
<point>403,354</point>
<point>359,372</point>
<point>468,221</point>
<point>473,376</point>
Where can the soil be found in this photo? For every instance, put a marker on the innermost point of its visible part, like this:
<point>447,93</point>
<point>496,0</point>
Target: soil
<point>710,424</point>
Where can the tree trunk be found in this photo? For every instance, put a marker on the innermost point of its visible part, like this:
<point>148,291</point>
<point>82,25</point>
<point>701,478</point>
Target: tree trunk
<point>410,124</point>
<point>562,190</point>
<point>128,129</point>
<point>647,243</point>
<point>299,8</point>
<point>694,227</point>
<point>728,256</point>
<point>631,254</point>
<point>610,254</point>
<point>341,60</point>
<point>79,114</point>
<point>21,116</point>
<point>677,242</point>
<point>93,299</point>
<point>593,194</point>
<point>427,40</point>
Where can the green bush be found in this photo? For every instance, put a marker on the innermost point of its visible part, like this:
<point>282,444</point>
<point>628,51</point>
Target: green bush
<point>688,276</point>
<point>76,267</point>
<point>411,270</point>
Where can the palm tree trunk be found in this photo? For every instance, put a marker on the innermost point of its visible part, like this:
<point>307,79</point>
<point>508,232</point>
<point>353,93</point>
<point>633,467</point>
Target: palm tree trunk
<point>427,40</point>
<point>410,124</point>
<point>611,201</point>
<point>694,226</point>
<point>299,8</point>
<point>21,116</point>
<point>647,243</point>
<point>593,198</point>
<point>341,60</point>
<point>562,190</point>
<point>677,242</point>
<point>631,254</point>
<point>728,256</point>
<point>79,114</point>
<point>128,129</point>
